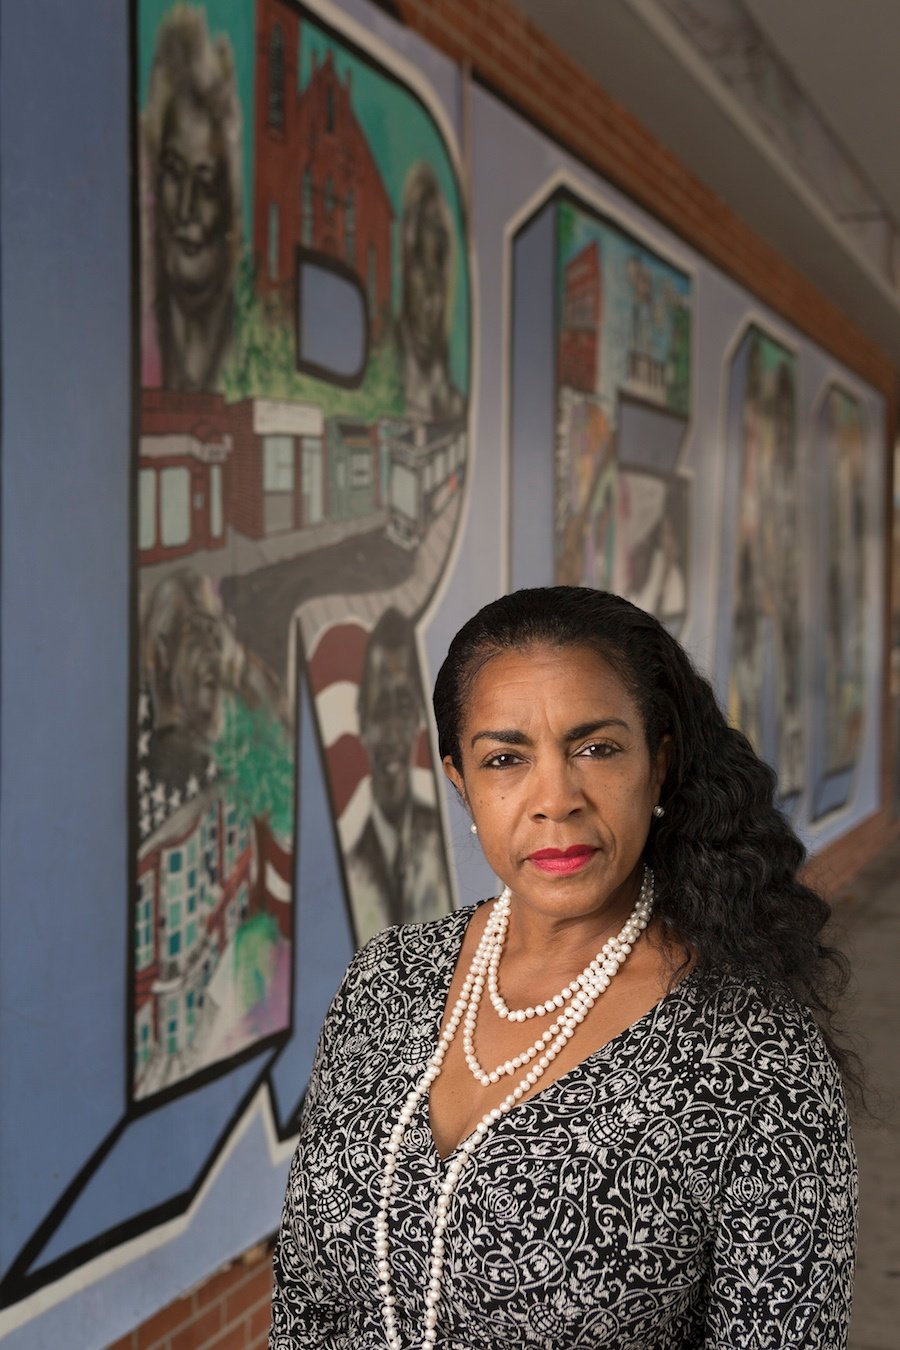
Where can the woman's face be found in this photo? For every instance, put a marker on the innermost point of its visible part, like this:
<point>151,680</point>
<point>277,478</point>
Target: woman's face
<point>558,778</point>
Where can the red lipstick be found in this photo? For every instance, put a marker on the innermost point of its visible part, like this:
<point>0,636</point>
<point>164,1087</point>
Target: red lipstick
<point>562,862</point>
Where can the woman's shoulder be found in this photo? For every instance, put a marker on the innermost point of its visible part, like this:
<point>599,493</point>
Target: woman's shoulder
<point>760,1040</point>
<point>410,951</point>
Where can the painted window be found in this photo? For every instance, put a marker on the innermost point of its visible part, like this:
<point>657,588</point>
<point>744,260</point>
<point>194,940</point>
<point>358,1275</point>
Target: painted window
<point>306,203</point>
<point>278,483</point>
<point>190,1014</point>
<point>350,228</point>
<point>361,469</point>
<point>330,198</point>
<point>278,464</point>
<point>372,279</point>
<point>273,241</point>
<point>143,1036</point>
<point>312,485</point>
<point>175,507</point>
<point>276,77</point>
<point>147,508</point>
<point>216,521</point>
<point>231,843</point>
<point>143,935</point>
<point>172,1025</point>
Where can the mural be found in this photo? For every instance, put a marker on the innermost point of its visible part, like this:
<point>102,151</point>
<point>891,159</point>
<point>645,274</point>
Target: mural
<point>623,362</point>
<point>765,674</point>
<point>296,506</point>
<point>845,589</point>
<point>843,523</point>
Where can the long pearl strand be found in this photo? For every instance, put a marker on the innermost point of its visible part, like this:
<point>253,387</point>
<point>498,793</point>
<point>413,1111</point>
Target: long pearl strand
<point>585,989</point>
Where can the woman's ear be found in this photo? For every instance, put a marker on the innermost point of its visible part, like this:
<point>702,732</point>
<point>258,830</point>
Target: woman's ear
<point>662,762</point>
<point>456,779</point>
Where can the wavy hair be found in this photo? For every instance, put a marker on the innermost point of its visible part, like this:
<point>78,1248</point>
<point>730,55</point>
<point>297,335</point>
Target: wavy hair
<point>725,859</point>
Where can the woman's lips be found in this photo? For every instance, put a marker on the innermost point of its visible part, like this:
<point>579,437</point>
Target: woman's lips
<point>562,862</point>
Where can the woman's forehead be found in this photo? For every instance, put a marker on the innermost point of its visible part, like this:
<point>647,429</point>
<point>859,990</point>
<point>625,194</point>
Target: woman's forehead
<point>542,673</point>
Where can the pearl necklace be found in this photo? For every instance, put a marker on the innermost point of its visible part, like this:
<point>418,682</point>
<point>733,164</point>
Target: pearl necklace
<point>585,989</point>
<point>573,1002</point>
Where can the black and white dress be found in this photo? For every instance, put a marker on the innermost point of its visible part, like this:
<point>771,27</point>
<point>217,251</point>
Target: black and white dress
<point>689,1186</point>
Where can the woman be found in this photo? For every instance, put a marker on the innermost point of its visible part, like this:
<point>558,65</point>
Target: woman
<point>598,1110</point>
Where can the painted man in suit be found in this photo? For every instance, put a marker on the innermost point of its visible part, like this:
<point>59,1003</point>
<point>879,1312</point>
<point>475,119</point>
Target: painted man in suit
<point>396,870</point>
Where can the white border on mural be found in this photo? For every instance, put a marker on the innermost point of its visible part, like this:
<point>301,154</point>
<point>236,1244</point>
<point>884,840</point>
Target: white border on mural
<point>79,1279</point>
<point>645,231</point>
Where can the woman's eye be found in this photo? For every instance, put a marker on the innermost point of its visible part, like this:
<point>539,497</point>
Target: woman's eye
<point>501,761</point>
<point>599,750</point>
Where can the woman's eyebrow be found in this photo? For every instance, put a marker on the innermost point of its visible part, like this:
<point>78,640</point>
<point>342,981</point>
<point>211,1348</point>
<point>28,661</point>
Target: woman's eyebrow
<point>511,737</point>
<point>507,737</point>
<point>587,728</point>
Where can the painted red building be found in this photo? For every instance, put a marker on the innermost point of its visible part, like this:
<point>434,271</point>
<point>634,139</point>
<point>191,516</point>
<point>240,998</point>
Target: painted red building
<point>579,337</point>
<point>316,180</point>
<point>183,479</point>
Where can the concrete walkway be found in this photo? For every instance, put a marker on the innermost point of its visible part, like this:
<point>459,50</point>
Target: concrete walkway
<point>867,925</point>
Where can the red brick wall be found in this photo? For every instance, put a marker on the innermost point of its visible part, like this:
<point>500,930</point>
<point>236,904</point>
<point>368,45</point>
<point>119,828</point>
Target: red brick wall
<point>230,1311</point>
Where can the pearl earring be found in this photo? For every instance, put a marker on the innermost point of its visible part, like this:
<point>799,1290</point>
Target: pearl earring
<point>473,828</point>
<point>659,811</point>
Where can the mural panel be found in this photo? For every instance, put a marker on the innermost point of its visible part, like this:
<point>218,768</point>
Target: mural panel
<point>623,364</point>
<point>302,453</point>
<point>842,523</point>
<point>843,441</point>
<point>765,675</point>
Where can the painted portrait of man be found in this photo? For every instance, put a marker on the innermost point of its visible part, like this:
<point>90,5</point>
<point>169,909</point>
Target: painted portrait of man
<point>396,869</point>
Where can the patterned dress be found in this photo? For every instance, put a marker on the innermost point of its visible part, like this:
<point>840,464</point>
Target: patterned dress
<point>689,1186</point>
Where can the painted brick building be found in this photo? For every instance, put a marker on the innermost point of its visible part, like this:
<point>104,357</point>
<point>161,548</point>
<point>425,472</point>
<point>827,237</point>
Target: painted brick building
<point>317,185</point>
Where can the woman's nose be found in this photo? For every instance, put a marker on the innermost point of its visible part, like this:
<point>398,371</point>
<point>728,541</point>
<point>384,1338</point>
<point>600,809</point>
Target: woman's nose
<point>556,792</point>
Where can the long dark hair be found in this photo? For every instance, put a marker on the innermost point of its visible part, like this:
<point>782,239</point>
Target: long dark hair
<point>725,859</point>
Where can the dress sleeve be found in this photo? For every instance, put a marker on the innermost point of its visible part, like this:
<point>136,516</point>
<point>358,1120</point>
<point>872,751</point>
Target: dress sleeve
<point>302,1315</point>
<point>785,1241</point>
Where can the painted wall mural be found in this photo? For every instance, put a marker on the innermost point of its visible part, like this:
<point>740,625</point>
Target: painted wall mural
<point>623,361</point>
<point>303,446</point>
<point>842,598</point>
<point>766,670</point>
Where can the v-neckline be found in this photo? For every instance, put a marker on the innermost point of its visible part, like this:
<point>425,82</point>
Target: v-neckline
<point>543,1093</point>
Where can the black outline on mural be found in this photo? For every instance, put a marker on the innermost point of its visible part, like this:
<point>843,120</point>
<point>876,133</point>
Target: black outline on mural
<point>20,1280</point>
